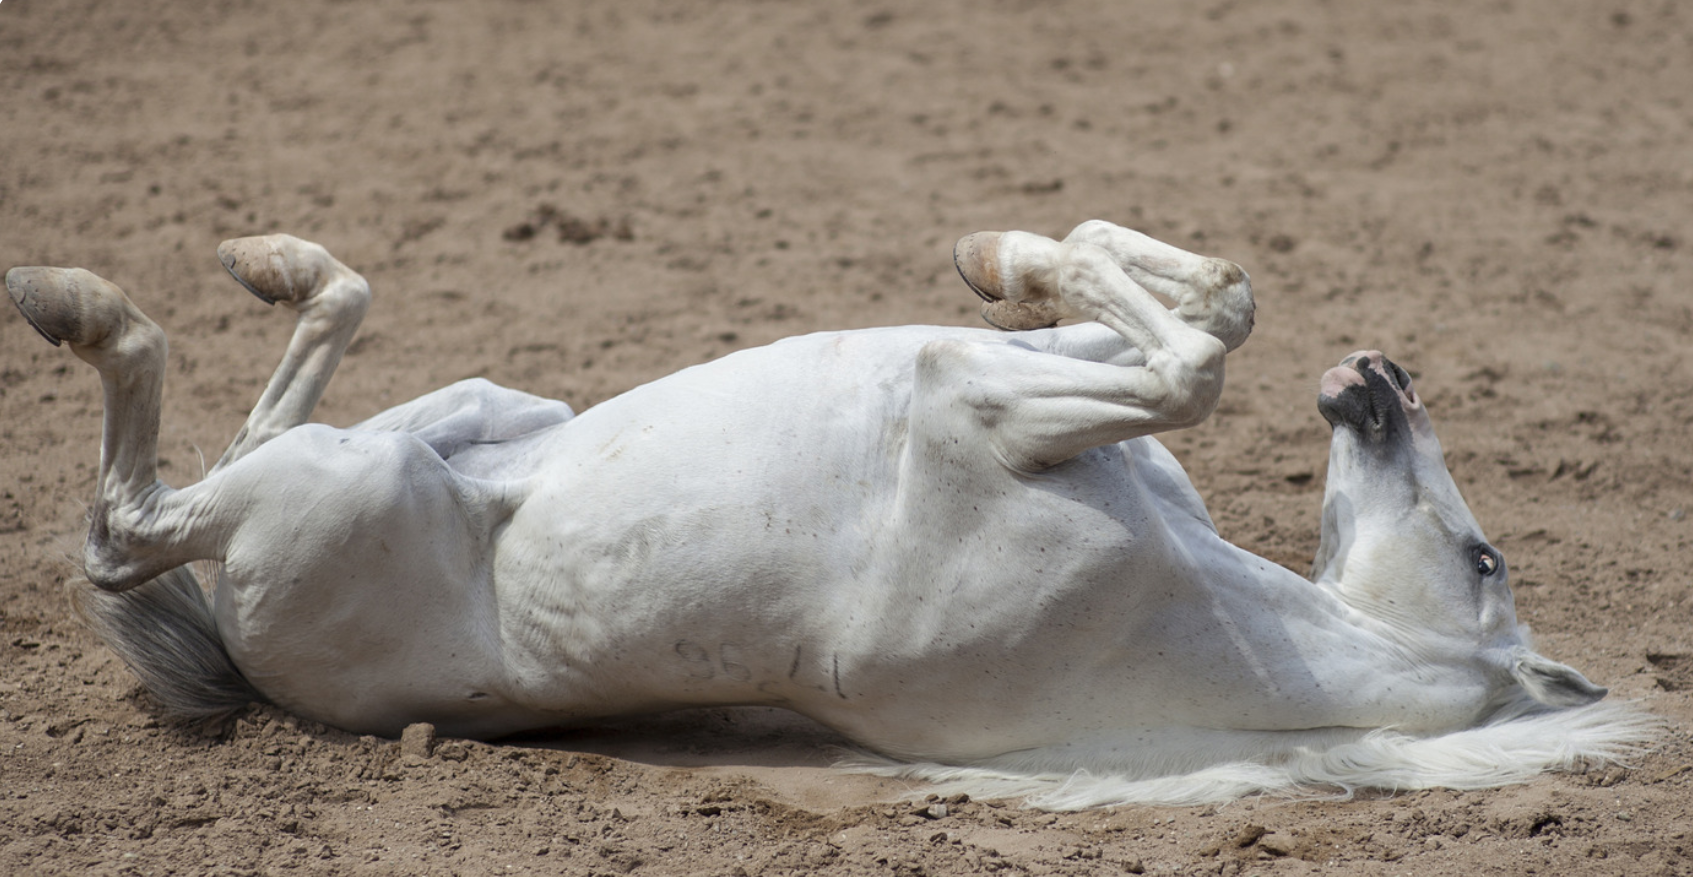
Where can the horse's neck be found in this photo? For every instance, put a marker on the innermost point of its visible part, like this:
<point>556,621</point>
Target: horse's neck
<point>1330,663</point>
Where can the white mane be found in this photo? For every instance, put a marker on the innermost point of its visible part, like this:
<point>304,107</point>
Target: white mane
<point>1509,750</point>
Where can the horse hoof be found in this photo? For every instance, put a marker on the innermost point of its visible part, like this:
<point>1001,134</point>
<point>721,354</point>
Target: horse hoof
<point>1020,316</point>
<point>18,282</point>
<point>66,304</point>
<point>977,259</point>
<point>275,267</point>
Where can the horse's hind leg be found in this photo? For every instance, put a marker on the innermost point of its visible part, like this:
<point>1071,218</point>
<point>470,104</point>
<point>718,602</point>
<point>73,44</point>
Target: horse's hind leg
<point>105,329</point>
<point>140,530</point>
<point>131,508</point>
<point>330,300</point>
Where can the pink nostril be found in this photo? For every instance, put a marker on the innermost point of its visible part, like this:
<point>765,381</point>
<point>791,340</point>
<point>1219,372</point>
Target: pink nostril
<point>1366,360</point>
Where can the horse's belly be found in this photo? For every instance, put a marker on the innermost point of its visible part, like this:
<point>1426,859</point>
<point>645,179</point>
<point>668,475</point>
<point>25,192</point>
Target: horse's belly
<point>641,576</point>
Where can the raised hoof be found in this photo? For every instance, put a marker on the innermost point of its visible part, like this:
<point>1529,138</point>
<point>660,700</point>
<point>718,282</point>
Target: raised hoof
<point>276,267</point>
<point>977,259</point>
<point>67,304</point>
<point>1019,316</point>
<point>16,283</point>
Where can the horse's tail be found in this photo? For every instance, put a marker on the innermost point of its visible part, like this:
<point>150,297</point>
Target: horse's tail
<point>165,631</point>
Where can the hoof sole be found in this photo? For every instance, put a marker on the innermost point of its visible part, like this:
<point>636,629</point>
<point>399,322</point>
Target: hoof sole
<point>277,268</point>
<point>19,297</point>
<point>228,260</point>
<point>66,304</point>
<point>976,256</point>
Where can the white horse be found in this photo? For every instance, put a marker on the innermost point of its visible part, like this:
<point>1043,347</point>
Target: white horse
<point>960,548</point>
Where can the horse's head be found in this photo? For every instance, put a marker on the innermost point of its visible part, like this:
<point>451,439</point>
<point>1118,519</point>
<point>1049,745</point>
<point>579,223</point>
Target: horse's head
<point>1399,544</point>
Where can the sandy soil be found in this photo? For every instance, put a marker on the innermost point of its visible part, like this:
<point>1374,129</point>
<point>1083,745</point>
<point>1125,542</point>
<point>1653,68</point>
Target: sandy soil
<point>573,198</point>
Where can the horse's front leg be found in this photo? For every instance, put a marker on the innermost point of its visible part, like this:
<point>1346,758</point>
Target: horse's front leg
<point>1037,409</point>
<point>1210,294</point>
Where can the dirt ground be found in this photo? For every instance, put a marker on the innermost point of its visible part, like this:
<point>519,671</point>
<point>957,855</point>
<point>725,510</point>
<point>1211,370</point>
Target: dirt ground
<point>576,197</point>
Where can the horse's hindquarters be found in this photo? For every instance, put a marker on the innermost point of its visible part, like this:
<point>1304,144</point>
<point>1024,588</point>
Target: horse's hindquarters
<point>358,591</point>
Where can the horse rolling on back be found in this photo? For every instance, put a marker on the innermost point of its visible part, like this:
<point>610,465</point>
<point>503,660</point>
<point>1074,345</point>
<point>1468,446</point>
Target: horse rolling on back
<point>961,548</point>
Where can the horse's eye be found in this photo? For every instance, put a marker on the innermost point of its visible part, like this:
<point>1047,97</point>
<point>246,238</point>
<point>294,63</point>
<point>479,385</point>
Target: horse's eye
<point>1486,562</point>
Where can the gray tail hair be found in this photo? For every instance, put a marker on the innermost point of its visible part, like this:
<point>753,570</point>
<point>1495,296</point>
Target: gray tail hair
<point>165,631</point>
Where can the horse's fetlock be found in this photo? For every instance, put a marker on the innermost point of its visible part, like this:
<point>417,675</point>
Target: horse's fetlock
<point>140,346</point>
<point>343,297</point>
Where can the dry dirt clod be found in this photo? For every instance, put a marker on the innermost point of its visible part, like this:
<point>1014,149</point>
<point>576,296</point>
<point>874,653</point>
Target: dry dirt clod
<point>1277,845</point>
<point>417,742</point>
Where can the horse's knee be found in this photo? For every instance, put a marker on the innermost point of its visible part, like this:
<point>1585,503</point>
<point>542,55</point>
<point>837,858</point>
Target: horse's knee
<point>1192,370</point>
<point>1221,304</point>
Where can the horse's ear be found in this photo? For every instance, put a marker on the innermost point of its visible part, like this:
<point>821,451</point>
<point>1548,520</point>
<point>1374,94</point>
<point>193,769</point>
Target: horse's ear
<point>1552,683</point>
